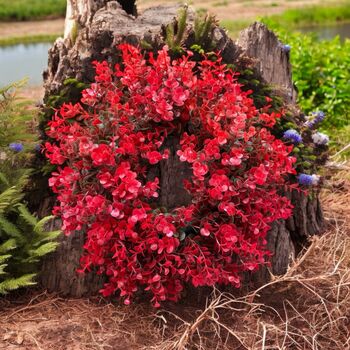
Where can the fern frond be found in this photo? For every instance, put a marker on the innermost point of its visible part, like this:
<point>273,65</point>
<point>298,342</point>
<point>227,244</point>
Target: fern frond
<point>3,267</point>
<point>40,225</point>
<point>44,249</point>
<point>10,244</point>
<point>15,283</point>
<point>172,39</point>
<point>8,197</point>
<point>11,229</point>
<point>23,179</point>
<point>25,214</point>
<point>3,258</point>
<point>4,180</point>
<point>46,237</point>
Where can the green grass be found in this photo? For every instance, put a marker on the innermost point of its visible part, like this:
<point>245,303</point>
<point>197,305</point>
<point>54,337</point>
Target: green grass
<point>313,15</point>
<point>340,138</point>
<point>297,18</point>
<point>221,3</point>
<point>234,26</point>
<point>43,38</point>
<point>24,10</point>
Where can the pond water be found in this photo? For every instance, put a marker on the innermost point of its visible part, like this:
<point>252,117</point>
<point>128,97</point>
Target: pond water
<point>329,31</point>
<point>20,61</point>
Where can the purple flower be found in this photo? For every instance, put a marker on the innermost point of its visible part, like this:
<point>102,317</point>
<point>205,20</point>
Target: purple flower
<point>293,136</point>
<point>308,180</point>
<point>16,147</point>
<point>286,48</point>
<point>320,139</point>
<point>37,147</point>
<point>305,179</point>
<point>314,119</point>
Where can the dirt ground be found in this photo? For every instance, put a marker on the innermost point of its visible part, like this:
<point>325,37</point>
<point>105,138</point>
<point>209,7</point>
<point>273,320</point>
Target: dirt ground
<point>17,29</point>
<point>308,308</point>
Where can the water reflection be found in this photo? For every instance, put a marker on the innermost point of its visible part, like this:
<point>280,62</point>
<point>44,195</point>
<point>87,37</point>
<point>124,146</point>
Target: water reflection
<point>329,31</point>
<point>19,61</point>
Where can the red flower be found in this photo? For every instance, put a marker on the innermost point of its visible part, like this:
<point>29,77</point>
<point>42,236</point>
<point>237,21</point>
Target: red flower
<point>199,170</point>
<point>102,155</point>
<point>206,229</point>
<point>260,174</point>
<point>179,96</point>
<point>137,215</point>
<point>154,157</point>
<point>187,155</point>
<point>106,189</point>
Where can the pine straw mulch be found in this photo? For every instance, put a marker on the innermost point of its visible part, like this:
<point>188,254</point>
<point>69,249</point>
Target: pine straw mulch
<point>307,308</point>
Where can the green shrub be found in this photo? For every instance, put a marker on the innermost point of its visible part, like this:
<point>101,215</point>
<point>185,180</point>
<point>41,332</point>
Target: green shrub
<point>23,238</point>
<point>321,74</point>
<point>17,117</point>
<point>313,15</point>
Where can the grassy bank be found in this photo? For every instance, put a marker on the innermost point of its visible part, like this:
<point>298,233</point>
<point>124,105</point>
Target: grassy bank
<point>297,18</point>
<point>29,39</point>
<point>24,10</point>
<point>234,26</point>
<point>313,15</point>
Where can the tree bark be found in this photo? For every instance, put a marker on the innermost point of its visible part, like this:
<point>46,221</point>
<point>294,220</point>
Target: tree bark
<point>102,25</point>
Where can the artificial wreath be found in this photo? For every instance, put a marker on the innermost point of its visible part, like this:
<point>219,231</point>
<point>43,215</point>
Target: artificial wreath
<point>105,145</point>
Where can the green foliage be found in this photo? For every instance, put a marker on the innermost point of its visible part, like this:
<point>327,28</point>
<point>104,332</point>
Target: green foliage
<point>29,39</point>
<point>16,117</point>
<point>321,74</point>
<point>199,38</point>
<point>23,237</point>
<point>175,31</point>
<point>24,10</point>
<point>234,26</point>
<point>312,15</point>
<point>203,31</point>
<point>70,92</point>
<point>340,140</point>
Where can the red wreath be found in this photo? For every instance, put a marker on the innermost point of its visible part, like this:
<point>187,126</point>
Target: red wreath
<point>106,144</point>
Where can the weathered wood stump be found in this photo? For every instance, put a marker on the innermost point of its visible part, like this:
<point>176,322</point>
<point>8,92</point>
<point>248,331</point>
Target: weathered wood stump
<point>98,27</point>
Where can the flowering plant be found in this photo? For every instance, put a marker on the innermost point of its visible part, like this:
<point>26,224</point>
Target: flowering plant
<point>310,145</point>
<point>105,145</point>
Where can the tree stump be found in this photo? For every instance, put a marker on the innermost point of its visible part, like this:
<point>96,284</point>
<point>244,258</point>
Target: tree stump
<point>93,29</point>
